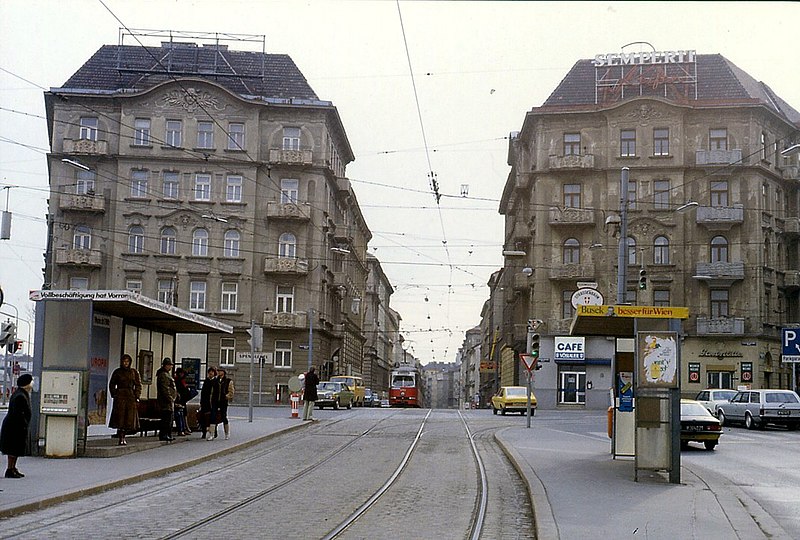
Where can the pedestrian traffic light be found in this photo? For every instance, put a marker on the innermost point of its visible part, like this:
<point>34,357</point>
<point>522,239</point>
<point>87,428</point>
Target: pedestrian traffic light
<point>535,343</point>
<point>256,338</point>
<point>8,333</point>
<point>14,346</point>
<point>642,279</point>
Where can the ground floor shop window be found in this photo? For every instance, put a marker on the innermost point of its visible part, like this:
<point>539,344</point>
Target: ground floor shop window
<point>720,379</point>
<point>572,387</point>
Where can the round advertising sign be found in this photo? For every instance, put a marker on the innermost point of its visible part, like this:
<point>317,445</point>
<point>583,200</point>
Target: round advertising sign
<point>694,376</point>
<point>747,376</point>
<point>295,384</point>
<point>586,297</point>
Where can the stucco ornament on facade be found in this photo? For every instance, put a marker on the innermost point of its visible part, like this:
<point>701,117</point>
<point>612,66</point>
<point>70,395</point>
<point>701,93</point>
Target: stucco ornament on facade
<point>645,112</point>
<point>190,100</point>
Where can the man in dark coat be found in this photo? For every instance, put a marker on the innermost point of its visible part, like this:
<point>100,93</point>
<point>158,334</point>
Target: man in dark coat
<point>209,402</point>
<point>166,392</point>
<point>309,393</point>
<point>14,433</point>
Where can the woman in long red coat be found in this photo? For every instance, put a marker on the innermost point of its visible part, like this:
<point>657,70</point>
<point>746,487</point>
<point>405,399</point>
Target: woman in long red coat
<point>125,387</point>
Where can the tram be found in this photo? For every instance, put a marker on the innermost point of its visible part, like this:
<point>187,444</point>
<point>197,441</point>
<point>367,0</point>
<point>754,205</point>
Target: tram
<point>405,387</point>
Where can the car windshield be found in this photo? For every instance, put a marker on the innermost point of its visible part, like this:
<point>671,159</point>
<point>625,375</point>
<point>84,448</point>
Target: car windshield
<point>724,395</point>
<point>328,386</point>
<point>781,397</point>
<point>401,381</point>
<point>693,409</point>
<point>516,392</point>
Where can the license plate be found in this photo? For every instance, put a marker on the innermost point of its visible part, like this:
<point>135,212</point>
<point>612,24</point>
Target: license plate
<point>695,428</point>
<point>783,412</point>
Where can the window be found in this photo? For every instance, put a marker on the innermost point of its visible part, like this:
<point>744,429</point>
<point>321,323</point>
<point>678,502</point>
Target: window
<point>139,184</point>
<point>719,303</point>
<point>287,246</point>
<point>632,194</point>
<point>84,184</point>
<point>197,296</point>
<point>765,197</point>
<point>136,239</point>
<point>720,379</point>
<point>719,193</point>
<point>200,243</point>
<point>235,136</point>
<point>202,187</point>
<point>719,249</point>
<point>661,298</point>
<point>134,285</point>
<point>661,142</point>
<point>291,138</point>
<point>82,237</point>
<point>205,134</point>
<point>763,146</point>
<point>174,133</point>
<point>567,310</point>
<point>88,129</point>
<point>78,283</point>
<point>171,185</point>
<point>572,144</point>
<point>168,240</point>
<point>627,143</point>
<point>166,291</point>
<point>718,139</point>
<point>141,132</point>
<point>233,189</point>
<point>572,251</point>
<point>231,248</point>
<point>283,353</point>
<point>284,299</point>
<point>572,195</point>
<point>227,351</point>
<point>661,250</point>
<point>631,251</point>
<point>289,190</point>
<point>661,194</point>
<point>230,297</point>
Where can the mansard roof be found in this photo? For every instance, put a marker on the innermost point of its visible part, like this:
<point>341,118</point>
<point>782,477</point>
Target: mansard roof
<point>719,83</point>
<point>125,68</point>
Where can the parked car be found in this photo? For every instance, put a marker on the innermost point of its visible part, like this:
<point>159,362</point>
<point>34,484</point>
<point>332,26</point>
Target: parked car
<point>757,408</point>
<point>714,396</point>
<point>355,384</point>
<point>370,399</point>
<point>697,424</point>
<point>513,399</point>
<point>334,394</point>
<point>385,403</point>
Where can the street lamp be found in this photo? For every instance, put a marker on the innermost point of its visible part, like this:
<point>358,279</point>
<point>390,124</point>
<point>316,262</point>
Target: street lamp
<point>686,206</point>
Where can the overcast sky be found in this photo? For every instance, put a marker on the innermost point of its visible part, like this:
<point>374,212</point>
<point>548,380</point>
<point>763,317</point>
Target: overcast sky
<point>478,67</point>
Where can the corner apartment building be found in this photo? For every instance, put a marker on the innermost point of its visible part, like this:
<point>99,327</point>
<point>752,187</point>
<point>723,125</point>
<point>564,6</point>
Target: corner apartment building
<point>214,180</point>
<point>713,212</point>
<point>381,329</point>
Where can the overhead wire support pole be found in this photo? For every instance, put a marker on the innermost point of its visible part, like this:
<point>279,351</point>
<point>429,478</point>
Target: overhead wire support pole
<point>622,255</point>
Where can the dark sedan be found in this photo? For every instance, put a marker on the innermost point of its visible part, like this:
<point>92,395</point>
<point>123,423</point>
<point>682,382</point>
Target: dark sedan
<point>698,425</point>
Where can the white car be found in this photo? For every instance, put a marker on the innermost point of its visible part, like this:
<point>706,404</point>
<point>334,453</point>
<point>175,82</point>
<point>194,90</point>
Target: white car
<point>714,396</point>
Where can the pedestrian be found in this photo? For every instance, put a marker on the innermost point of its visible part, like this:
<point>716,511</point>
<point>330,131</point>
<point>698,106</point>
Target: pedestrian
<point>309,394</point>
<point>166,392</point>
<point>209,402</point>
<point>185,394</point>
<point>225,396</point>
<point>14,433</point>
<point>125,388</point>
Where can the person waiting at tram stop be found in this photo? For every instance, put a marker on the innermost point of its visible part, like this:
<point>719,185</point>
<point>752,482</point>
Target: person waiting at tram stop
<point>209,404</point>
<point>166,393</point>
<point>225,396</point>
<point>310,383</point>
<point>125,388</point>
<point>14,433</point>
<point>185,394</point>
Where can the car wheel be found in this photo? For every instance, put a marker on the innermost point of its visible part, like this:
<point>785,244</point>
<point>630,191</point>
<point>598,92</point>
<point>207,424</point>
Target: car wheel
<point>684,445</point>
<point>503,411</point>
<point>721,417</point>
<point>792,427</point>
<point>709,445</point>
<point>494,411</point>
<point>336,405</point>
<point>749,423</point>
<point>349,404</point>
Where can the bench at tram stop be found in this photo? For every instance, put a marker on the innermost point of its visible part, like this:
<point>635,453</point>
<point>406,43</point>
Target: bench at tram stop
<point>150,416</point>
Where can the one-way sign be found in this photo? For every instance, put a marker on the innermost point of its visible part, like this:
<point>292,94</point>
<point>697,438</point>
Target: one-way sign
<point>791,345</point>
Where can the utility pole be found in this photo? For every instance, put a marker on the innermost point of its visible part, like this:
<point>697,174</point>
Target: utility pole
<point>622,254</point>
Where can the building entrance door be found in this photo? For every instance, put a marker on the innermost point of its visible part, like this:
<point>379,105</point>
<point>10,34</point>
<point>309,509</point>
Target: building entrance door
<point>573,387</point>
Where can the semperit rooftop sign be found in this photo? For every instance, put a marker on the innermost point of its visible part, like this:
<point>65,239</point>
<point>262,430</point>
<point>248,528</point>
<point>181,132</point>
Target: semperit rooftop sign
<point>639,58</point>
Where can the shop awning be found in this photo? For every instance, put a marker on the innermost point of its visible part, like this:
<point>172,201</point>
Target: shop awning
<point>617,321</point>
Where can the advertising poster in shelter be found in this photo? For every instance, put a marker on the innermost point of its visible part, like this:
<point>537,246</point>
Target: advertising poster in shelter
<point>98,371</point>
<point>658,359</point>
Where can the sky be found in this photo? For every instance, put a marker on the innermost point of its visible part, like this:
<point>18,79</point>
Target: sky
<point>420,87</point>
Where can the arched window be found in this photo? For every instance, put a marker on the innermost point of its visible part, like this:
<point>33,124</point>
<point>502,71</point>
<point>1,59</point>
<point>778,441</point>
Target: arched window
<point>200,243</point>
<point>232,239</point>
<point>82,237</point>
<point>136,239</point>
<point>287,246</point>
<point>168,239</point>
<point>572,251</point>
<point>719,249</point>
<point>661,250</point>
<point>631,250</point>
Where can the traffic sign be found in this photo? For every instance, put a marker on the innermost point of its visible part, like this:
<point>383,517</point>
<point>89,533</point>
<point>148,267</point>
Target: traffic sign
<point>790,341</point>
<point>529,360</point>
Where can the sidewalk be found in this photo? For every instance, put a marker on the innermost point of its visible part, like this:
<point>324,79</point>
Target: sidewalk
<point>50,481</point>
<point>579,491</point>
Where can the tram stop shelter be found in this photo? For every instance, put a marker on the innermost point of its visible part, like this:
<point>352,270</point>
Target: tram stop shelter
<point>645,396</point>
<point>80,338</point>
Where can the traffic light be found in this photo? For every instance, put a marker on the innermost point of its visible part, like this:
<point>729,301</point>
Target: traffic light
<point>642,279</point>
<point>256,340</point>
<point>535,344</point>
<point>14,346</point>
<point>8,333</point>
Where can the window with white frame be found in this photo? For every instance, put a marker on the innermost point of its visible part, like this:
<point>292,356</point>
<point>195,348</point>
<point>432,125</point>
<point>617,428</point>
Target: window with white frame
<point>202,187</point>
<point>233,188</point>
<point>567,309</point>
<point>230,297</point>
<point>764,148</point>
<point>661,141</point>
<point>571,251</point>
<point>287,246</point>
<point>197,296</point>
<point>78,283</point>
<point>632,196</point>
<point>136,239</point>
<point>235,136</point>
<point>200,243</point>
<point>174,135</point>
<point>719,249</point>
<point>719,193</point>
<point>88,129</point>
<point>205,134</point>
<point>168,241</point>
<point>719,303</point>
<point>631,251</point>
<point>572,195</point>
<point>661,250</point>
<point>138,184</point>
<point>627,143</point>
<point>718,139</point>
<point>227,351</point>
<point>231,240</point>
<point>141,132</point>
<point>171,185</point>
<point>82,237</point>
<point>661,194</point>
<point>166,291</point>
<point>291,138</point>
<point>134,285</point>
<point>84,183</point>
<point>284,299</point>
<point>572,144</point>
<point>289,190</point>
<point>283,354</point>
